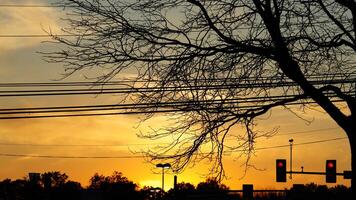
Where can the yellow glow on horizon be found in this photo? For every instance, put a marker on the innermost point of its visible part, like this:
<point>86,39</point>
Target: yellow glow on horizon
<point>152,183</point>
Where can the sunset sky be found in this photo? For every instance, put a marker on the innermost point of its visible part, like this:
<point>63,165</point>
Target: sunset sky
<point>19,62</point>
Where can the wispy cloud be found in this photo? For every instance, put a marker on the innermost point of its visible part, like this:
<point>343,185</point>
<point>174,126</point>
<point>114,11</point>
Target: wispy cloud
<point>21,21</point>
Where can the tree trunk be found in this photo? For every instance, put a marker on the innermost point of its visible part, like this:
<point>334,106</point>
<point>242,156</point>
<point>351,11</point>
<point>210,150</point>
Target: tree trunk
<point>348,123</point>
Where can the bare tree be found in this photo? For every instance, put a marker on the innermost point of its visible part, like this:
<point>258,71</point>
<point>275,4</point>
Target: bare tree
<point>217,64</point>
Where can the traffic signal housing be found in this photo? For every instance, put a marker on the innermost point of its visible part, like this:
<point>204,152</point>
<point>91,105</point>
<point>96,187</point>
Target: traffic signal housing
<point>281,170</point>
<point>330,171</point>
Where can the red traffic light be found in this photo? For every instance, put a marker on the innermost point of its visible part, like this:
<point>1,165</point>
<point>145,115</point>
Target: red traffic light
<point>280,164</point>
<point>281,170</point>
<point>330,164</point>
<point>330,171</point>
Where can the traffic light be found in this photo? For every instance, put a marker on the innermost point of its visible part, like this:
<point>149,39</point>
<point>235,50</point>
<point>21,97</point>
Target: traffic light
<point>281,170</point>
<point>330,171</point>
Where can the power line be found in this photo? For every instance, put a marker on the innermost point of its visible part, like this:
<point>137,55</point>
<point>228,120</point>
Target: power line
<point>235,82</point>
<point>104,92</point>
<point>132,144</point>
<point>75,145</point>
<point>89,115</point>
<point>328,78</point>
<point>320,141</point>
<point>150,89</point>
<point>172,110</point>
<point>132,157</point>
<point>32,6</point>
<point>316,130</point>
<point>39,35</point>
<point>303,143</point>
<point>183,86</point>
<point>155,107</point>
<point>133,112</point>
<point>209,102</point>
<point>43,6</point>
<point>72,157</point>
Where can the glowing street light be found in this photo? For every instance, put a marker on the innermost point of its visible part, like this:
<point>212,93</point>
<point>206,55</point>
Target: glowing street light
<point>163,166</point>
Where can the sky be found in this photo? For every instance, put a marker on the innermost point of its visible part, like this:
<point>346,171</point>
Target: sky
<point>20,62</point>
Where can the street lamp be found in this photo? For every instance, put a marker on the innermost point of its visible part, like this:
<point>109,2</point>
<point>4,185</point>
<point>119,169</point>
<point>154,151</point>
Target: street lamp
<point>291,156</point>
<point>163,166</point>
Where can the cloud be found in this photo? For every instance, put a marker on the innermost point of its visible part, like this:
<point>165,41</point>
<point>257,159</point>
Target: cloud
<point>28,20</point>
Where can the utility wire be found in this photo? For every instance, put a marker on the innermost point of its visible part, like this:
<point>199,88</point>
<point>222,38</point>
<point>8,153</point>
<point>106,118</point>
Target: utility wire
<point>213,85</point>
<point>137,112</point>
<point>32,6</point>
<point>209,102</point>
<point>140,91</point>
<point>155,107</point>
<point>132,144</point>
<point>42,6</point>
<point>76,145</point>
<point>303,143</point>
<point>324,78</point>
<point>239,83</point>
<point>39,35</point>
<point>310,131</point>
<point>60,156</point>
<point>172,110</point>
<point>110,92</point>
<point>132,157</point>
<point>128,90</point>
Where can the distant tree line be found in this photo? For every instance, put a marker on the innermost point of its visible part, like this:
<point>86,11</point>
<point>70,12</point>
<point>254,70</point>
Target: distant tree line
<point>56,186</point>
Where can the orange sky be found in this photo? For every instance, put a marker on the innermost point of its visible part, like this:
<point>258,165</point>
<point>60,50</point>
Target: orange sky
<point>20,63</point>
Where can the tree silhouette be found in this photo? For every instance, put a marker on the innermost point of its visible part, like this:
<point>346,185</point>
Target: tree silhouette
<point>314,191</point>
<point>212,189</point>
<point>211,185</point>
<point>57,186</point>
<point>53,185</point>
<point>153,193</point>
<point>115,186</point>
<point>53,179</point>
<point>97,181</point>
<point>181,191</point>
<point>217,64</point>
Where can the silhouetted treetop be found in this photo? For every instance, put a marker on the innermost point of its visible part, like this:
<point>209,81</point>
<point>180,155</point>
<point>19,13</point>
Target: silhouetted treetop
<point>53,179</point>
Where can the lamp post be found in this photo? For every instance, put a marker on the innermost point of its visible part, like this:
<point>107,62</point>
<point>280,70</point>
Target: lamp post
<point>163,166</point>
<point>291,156</point>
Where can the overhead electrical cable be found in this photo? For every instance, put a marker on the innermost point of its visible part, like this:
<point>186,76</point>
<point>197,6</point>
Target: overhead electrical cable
<point>303,143</point>
<point>309,131</point>
<point>132,156</point>
<point>150,89</point>
<point>250,81</point>
<point>43,6</point>
<point>155,107</point>
<point>32,6</point>
<point>167,109</point>
<point>73,157</point>
<point>4,143</point>
<point>163,87</point>
<point>242,100</point>
<point>39,35</point>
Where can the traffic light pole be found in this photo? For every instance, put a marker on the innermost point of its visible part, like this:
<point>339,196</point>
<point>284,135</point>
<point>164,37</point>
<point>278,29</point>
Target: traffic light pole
<point>330,171</point>
<point>291,157</point>
<point>346,174</point>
